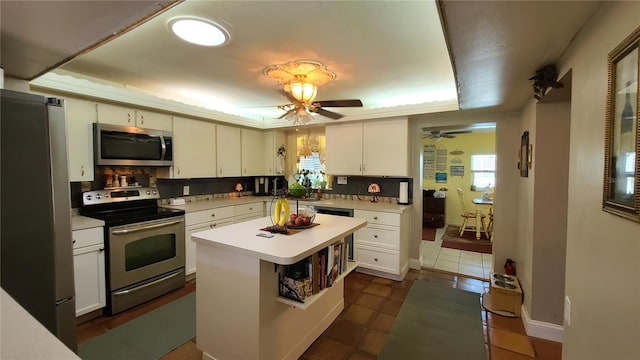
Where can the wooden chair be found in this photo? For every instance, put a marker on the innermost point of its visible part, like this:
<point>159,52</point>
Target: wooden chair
<point>466,215</point>
<point>490,224</point>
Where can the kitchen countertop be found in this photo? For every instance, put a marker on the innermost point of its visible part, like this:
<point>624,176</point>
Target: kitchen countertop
<point>79,222</point>
<point>335,203</point>
<point>279,249</point>
<point>23,337</point>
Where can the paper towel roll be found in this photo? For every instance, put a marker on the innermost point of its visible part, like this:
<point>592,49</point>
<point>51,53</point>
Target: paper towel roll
<point>403,198</point>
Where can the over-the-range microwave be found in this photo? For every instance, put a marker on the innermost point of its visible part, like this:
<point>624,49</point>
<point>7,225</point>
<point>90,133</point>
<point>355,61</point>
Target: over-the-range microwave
<point>117,145</point>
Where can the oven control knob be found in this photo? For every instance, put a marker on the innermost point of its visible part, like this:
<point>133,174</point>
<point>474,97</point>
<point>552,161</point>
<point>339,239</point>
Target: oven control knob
<point>148,192</point>
<point>98,196</point>
<point>89,197</point>
<point>154,192</point>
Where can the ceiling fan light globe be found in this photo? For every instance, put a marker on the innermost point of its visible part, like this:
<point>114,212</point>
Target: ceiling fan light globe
<point>302,91</point>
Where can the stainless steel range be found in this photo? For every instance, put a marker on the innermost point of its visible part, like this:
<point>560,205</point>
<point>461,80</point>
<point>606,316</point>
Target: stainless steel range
<point>145,244</point>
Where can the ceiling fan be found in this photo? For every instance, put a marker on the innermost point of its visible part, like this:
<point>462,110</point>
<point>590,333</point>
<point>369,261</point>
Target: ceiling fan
<point>300,80</point>
<point>301,107</point>
<point>439,134</point>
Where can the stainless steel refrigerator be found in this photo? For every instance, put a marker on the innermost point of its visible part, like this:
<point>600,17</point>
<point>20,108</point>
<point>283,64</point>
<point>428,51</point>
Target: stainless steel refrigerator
<point>36,253</point>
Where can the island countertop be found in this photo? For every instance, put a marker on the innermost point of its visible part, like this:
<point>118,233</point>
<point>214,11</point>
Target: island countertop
<point>279,249</point>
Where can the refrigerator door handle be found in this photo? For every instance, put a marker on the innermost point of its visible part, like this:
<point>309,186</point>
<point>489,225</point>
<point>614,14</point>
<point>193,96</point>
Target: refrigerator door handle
<point>62,301</point>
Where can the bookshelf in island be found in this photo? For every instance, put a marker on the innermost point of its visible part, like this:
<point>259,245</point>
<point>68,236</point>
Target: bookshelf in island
<point>240,311</point>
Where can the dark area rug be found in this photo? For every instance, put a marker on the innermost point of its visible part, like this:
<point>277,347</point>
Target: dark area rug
<point>149,336</point>
<point>452,240</point>
<point>436,322</point>
<point>428,233</point>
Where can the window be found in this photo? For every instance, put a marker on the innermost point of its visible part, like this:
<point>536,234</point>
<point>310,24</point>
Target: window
<point>483,172</point>
<point>629,163</point>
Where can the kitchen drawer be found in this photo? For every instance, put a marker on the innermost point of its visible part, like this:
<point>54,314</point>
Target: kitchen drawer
<point>211,224</point>
<point>247,217</point>
<point>379,235</point>
<point>209,215</point>
<point>252,208</point>
<point>87,237</point>
<point>386,261</point>
<point>378,217</point>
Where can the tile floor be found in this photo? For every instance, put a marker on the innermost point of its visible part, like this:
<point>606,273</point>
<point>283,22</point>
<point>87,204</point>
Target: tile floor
<point>359,332</point>
<point>463,262</point>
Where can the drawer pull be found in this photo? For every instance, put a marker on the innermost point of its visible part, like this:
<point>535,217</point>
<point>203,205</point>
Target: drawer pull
<point>74,241</point>
<point>213,215</point>
<point>375,259</point>
<point>375,236</point>
<point>375,218</point>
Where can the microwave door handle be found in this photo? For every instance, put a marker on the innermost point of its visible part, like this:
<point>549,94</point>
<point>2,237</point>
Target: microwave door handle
<point>164,147</point>
<point>145,227</point>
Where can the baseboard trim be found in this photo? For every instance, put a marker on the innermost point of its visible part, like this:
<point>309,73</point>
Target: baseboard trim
<point>415,263</point>
<point>540,329</point>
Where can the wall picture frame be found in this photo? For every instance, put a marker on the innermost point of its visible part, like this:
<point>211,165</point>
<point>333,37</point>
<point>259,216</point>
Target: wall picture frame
<point>524,155</point>
<point>621,185</point>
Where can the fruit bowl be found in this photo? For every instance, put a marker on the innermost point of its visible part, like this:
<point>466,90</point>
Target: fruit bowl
<point>302,220</point>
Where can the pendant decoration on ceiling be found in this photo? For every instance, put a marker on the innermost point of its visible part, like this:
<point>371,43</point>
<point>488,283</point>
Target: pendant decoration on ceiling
<point>545,78</point>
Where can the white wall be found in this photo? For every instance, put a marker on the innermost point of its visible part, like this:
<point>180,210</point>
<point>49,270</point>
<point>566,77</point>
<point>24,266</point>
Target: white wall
<point>603,250</point>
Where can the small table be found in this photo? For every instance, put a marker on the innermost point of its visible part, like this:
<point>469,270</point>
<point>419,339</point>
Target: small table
<point>479,203</point>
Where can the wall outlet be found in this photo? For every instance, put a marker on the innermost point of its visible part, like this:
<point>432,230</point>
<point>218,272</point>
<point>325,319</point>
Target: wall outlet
<point>185,190</point>
<point>342,180</point>
<point>567,310</point>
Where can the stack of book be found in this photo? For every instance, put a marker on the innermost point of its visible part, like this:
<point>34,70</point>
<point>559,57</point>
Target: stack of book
<point>313,274</point>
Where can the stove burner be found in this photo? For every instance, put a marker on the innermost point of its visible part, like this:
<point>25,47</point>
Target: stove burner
<point>505,285</point>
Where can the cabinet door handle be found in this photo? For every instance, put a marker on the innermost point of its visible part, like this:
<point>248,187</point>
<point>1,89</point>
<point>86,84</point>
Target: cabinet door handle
<point>128,117</point>
<point>142,119</point>
<point>375,236</point>
<point>74,241</point>
<point>213,215</point>
<point>101,249</point>
<point>375,218</point>
<point>178,170</point>
<point>375,259</point>
<point>82,170</point>
<point>220,170</point>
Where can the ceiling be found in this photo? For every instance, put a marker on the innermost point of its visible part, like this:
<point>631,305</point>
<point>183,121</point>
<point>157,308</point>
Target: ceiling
<point>393,55</point>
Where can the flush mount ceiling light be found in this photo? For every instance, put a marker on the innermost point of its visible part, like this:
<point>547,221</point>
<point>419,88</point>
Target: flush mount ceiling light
<point>300,78</point>
<point>199,31</point>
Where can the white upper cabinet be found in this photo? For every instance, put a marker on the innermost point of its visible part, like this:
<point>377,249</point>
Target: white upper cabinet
<point>121,115</point>
<point>371,147</point>
<point>194,148</point>
<point>344,148</point>
<point>153,120</point>
<point>252,152</point>
<point>386,147</point>
<point>229,151</point>
<point>80,116</point>
<point>116,115</point>
<point>273,164</point>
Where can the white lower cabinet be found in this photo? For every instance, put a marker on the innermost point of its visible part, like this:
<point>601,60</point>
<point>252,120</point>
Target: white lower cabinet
<point>89,272</point>
<point>382,247</point>
<point>214,218</point>
<point>246,212</point>
<point>200,221</point>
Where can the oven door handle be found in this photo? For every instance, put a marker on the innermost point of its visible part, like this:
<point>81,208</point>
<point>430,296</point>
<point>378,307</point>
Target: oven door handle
<point>124,292</point>
<point>145,227</point>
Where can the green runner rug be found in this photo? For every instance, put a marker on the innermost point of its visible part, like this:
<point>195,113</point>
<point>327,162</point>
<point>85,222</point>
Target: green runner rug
<point>147,337</point>
<point>436,322</point>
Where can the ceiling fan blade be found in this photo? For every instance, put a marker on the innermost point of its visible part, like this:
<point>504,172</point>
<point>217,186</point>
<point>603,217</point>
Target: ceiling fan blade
<point>329,114</point>
<point>287,113</point>
<point>288,96</point>
<point>457,132</point>
<point>340,103</point>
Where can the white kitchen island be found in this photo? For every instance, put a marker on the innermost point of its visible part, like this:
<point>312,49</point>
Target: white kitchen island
<point>239,314</point>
